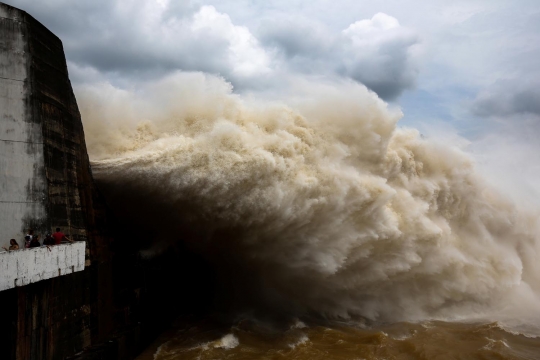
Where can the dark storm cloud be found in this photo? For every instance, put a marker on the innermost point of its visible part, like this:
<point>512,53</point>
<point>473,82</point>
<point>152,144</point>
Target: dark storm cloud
<point>509,97</point>
<point>388,70</point>
<point>125,55</point>
<point>108,37</point>
<point>297,37</point>
<point>144,36</point>
<point>380,53</point>
<point>377,52</point>
<point>135,39</point>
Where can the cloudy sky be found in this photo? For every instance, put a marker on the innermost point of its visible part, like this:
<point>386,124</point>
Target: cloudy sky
<point>464,70</point>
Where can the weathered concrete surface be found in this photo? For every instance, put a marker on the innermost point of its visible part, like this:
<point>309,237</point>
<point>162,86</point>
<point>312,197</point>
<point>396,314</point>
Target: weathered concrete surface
<point>26,266</point>
<point>23,186</point>
<point>46,182</point>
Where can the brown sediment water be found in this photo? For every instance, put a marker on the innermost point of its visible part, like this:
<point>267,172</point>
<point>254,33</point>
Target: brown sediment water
<point>404,341</point>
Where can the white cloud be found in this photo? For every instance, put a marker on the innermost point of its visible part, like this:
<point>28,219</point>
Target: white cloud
<point>371,30</point>
<point>134,40</point>
<point>465,45</point>
<point>377,52</point>
<point>381,54</point>
<point>247,58</point>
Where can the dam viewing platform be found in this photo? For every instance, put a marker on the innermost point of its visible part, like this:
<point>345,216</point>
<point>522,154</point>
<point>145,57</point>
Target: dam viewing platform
<point>25,266</point>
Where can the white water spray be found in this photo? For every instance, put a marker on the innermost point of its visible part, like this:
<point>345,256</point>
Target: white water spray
<point>320,204</point>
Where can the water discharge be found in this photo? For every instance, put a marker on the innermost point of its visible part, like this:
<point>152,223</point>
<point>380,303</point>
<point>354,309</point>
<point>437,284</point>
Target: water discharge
<point>316,204</point>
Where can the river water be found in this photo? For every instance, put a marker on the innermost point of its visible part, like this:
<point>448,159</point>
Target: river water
<point>249,339</point>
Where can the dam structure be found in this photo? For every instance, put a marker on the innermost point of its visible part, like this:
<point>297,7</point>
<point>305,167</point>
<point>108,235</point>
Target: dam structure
<point>94,298</point>
<point>45,183</point>
<point>39,184</point>
<point>60,301</point>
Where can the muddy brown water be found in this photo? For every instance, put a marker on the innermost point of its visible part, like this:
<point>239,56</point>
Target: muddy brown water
<point>433,340</point>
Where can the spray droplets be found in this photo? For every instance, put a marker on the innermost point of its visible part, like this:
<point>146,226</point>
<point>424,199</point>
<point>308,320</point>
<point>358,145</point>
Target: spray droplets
<point>319,205</point>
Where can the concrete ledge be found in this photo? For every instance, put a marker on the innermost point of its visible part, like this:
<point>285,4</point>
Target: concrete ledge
<point>26,266</point>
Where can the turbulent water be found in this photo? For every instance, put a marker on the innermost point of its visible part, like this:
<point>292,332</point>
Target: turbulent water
<point>319,204</point>
<point>428,340</point>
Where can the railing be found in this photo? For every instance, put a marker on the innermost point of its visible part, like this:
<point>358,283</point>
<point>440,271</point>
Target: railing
<point>26,266</point>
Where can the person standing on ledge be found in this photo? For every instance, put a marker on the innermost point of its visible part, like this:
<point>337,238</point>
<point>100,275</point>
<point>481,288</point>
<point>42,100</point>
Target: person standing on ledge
<point>49,240</point>
<point>28,238</point>
<point>12,245</point>
<point>59,237</point>
<point>35,241</point>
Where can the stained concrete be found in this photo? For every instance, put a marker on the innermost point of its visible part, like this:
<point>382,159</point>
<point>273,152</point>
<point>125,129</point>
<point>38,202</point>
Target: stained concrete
<point>23,186</point>
<point>26,266</point>
<point>119,302</point>
<point>46,182</point>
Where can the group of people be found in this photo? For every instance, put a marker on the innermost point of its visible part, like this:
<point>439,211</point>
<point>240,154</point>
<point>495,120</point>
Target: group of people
<point>31,240</point>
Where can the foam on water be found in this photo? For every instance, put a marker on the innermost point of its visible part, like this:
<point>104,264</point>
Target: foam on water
<point>228,341</point>
<point>302,340</point>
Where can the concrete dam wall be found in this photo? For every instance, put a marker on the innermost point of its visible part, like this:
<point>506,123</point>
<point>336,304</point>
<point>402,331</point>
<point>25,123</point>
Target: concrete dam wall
<point>42,149</point>
<point>46,182</point>
<point>96,298</point>
<point>23,185</point>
